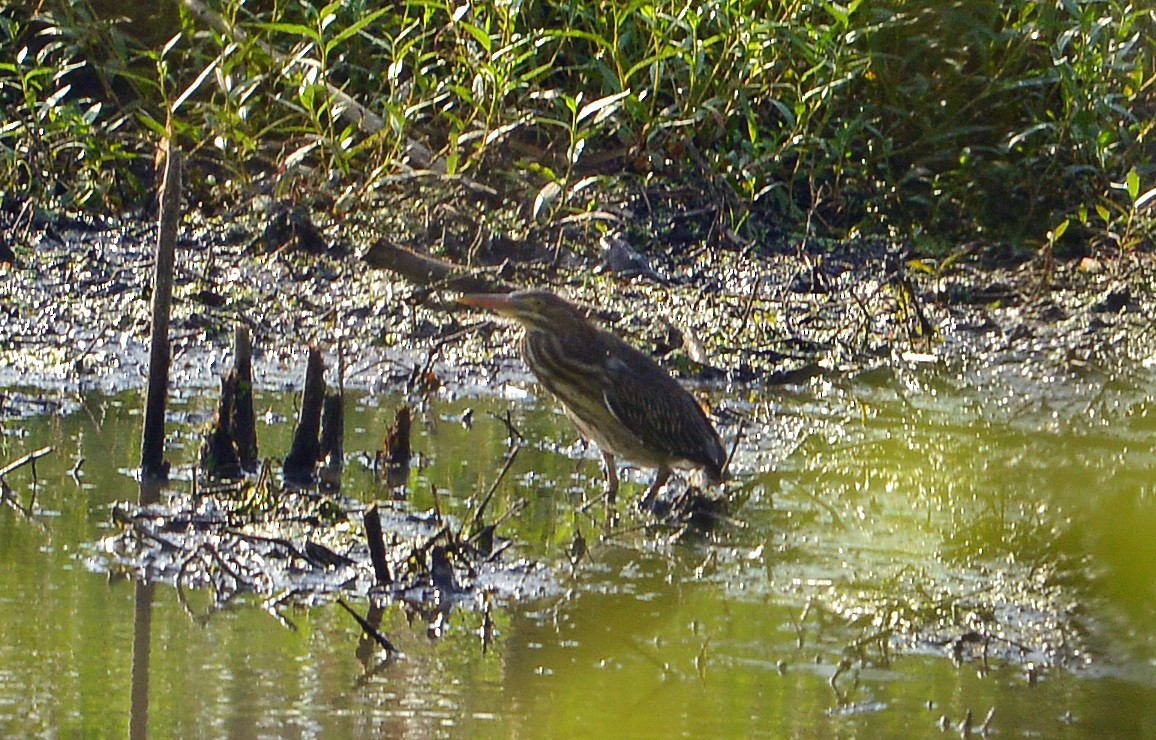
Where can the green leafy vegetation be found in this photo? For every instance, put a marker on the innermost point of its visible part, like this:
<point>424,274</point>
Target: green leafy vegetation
<point>1021,123</point>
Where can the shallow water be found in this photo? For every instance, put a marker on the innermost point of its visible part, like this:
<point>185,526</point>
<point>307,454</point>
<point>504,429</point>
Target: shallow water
<point>880,523</point>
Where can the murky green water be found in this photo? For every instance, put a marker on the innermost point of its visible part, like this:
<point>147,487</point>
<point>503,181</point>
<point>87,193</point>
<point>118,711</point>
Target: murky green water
<point>883,522</point>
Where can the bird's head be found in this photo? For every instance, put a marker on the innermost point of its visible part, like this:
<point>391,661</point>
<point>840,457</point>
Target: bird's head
<point>535,309</point>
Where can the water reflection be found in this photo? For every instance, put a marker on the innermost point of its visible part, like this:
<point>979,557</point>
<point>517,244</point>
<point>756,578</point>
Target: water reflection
<point>142,630</point>
<point>886,526</point>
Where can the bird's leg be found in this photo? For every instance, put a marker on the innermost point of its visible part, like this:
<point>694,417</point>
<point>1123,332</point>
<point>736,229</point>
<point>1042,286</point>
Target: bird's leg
<point>660,479</point>
<point>611,476</point>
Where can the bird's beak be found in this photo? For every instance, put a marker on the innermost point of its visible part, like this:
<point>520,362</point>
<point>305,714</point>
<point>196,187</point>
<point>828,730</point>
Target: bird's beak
<point>499,302</point>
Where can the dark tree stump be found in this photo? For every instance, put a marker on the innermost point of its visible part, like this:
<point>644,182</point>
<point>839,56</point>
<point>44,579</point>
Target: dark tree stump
<point>395,451</point>
<point>230,445</point>
<point>243,418</point>
<point>218,456</point>
<point>332,449</point>
<point>376,541</point>
<point>301,461</point>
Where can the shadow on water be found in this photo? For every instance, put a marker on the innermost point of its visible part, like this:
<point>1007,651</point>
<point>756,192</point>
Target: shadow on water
<point>909,551</point>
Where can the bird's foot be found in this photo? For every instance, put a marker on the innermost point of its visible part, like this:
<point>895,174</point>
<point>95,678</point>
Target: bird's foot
<point>648,502</point>
<point>653,506</point>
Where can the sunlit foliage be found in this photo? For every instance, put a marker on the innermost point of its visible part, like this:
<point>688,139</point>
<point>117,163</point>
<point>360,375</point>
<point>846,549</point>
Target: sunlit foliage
<point>928,121</point>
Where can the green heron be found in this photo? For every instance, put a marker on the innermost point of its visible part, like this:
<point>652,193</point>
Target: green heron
<point>617,397</point>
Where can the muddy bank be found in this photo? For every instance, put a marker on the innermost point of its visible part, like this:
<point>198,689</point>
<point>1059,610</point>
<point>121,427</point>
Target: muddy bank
<point>76,302</point>
<point>1020,338</point>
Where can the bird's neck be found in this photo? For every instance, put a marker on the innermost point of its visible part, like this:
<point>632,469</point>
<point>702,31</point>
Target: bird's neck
<point>583,342</point>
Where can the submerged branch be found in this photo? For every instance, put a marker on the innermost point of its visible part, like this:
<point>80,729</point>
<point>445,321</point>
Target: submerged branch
<point>429,271</point>
<point>30,458</point>
<point>369,629</point>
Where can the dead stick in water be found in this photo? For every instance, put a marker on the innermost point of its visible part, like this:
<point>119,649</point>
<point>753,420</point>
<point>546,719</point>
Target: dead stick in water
<point>153,440</point>
<point>429,271</point>
<point>31,457</point>
<point>476,521</point>
<point>373,534</point>
<point>369,629</point>
<point>735,444</point>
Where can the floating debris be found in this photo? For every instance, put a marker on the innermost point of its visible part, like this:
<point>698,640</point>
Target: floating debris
<point>312,547</point>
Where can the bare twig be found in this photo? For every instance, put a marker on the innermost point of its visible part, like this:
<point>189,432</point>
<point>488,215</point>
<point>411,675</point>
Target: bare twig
<point>419,377</point>
<point>515,436</point>
<point>75,472</point>
<point>9,497</point>
<point>430,272</point>
<point>476,520</point>
<point>735,444</point>
<point>369,629</point>
<point>30,458</point>
<point>514,509</point>
<point>748,308</point>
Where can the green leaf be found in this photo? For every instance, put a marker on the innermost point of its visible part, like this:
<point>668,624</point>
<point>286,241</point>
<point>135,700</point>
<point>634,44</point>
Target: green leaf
<point>602,108</point>
<point>1133,185</point>
<point>479,35</point>
<point>354,29</point>
<point>650,62</point>
<point>839,13</point>
<point>59,95</point>
<point>576,150</point>
<point>331,9</point>
<point>546,198</point>
<point>1144,199</point>
<point>293,29</point>
<point>153,124</point>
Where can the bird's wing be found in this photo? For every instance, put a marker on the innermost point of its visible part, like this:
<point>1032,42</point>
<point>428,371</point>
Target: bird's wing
<point>660,412</point>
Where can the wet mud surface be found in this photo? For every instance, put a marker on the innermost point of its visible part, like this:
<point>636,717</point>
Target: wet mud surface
<point>76,307</point>
<point>738,320</point>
